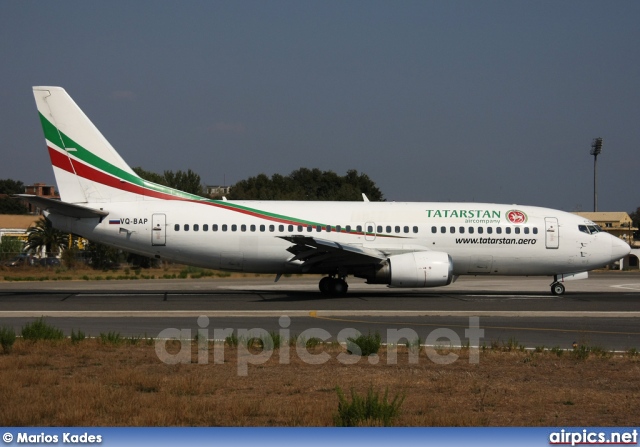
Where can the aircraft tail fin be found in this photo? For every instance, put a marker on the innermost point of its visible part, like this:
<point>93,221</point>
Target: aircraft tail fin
<point>87,168</point>
<point>80,155</point>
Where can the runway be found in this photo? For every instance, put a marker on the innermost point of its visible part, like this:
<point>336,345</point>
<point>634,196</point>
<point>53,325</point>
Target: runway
<point>603,310</point>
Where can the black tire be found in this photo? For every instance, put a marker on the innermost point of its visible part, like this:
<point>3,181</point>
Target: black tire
<point>340,287</point>
<point>325,285</point>
<point>557,289</point>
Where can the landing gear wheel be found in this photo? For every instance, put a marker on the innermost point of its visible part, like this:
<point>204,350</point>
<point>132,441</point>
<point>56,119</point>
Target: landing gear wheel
<point>557,289</point>
<point>325,285</point>
<point>333,286</point>
<point>340,287</point>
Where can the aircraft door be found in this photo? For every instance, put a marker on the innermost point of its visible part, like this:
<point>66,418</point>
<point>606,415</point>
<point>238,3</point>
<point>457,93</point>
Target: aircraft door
<point>369,231</point>
<point>159,229</point>
<point>552,232</point>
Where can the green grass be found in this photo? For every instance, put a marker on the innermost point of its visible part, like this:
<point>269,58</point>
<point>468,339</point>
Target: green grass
<point>370,410</point>
<point>367,344</point>
<point>7,339</point>
<point>40,330</point>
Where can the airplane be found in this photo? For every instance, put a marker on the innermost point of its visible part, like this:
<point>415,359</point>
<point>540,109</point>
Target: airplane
<point>402,245</point>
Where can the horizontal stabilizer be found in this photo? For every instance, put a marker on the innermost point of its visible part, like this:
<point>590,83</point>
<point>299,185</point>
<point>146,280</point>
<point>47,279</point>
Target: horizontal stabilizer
<point>63,208</point>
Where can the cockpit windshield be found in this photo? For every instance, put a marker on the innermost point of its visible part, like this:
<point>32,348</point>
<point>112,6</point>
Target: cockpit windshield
<point>589,229</point>
<point>594,229</point>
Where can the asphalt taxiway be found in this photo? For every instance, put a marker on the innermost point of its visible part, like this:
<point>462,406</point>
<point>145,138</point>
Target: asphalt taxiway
<point>603,310</point>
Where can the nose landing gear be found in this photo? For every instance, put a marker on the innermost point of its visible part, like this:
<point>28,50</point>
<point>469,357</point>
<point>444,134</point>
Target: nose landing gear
<point>557,288</point>
<point>333,286</point>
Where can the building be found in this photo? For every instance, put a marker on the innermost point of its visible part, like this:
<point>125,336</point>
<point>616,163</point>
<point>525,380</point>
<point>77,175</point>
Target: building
<point>40,190</point>
<point>620,225</point>
<point>217,190</point>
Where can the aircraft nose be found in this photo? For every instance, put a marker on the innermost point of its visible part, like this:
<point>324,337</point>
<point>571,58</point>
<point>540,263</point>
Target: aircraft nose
<point>619,248</point>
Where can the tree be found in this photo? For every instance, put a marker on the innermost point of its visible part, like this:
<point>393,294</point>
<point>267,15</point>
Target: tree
<point>10,247</point>
<point>184,181</point>
<point>44,236</point>
<point>102,256</point>
<point>8,205</point>
<point>151,176</point>
<point>307,184</point>
<point>635,219</point>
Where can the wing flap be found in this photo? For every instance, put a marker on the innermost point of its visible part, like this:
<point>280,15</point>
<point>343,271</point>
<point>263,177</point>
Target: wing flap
<point>312,251</point>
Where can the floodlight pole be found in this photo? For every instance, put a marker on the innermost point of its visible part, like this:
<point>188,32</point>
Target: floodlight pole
<point>596,149</point>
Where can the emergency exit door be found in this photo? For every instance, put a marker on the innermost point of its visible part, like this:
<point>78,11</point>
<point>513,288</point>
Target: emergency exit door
<point>159,229</point>
<point>552,232</point>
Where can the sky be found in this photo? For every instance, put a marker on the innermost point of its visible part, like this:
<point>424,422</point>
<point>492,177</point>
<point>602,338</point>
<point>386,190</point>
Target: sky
<point>481,101</point>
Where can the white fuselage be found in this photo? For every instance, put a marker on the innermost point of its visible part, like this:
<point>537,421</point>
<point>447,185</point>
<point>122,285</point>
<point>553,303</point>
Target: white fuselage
<point>246,235</point>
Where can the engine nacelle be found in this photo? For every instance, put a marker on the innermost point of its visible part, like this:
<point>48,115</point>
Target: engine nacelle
<point>417,269</point>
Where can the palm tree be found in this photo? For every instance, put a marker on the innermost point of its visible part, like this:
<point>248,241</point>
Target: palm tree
<point>43,235</point>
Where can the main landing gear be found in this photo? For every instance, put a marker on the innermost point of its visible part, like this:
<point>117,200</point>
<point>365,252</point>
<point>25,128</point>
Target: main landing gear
<point>557,288</point>
<point>333,286</point>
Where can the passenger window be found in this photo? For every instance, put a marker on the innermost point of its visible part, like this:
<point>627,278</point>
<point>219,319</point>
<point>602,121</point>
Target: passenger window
<point>338,228</point>
<point>243,227</point>
<point>388,228</point>
<point>526,230</point>
<point>397,228</point>
<point>290,228</point>
<point>535,230</point>
<point>234,227</point>
<point>489,230</point>
<point>214,227</point>
<point>328,228</point>
<point>470,230</point>
<point>406,229</point>
<point>480,230</point>
<point>499,230</point>
<point>452,230</point>
<point>318,229</point>
<point>252,228</point>
<point>443,230</point>
<point>379,228</point>
<point>281,228</point>
<point>224,227</point>
<point>415,230</point>
<point>186,227</point>
<point>370,229</point>
<point>262,228</point>
<point>196,227</point>
<point>205,227</point>
<point>309,228</point>
<point>517,230</point>
<point>299,228</point>
<point>434,229</point>
<point>272,228</point>
<point>461,230</point>
<point>507,230</point>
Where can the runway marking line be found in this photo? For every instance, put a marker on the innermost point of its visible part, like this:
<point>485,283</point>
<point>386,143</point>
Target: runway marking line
<point>634,286</point>
<point>345,320</point>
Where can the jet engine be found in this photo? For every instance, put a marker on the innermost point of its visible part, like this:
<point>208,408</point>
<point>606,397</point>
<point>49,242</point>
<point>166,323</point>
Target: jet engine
<point>417,269</point>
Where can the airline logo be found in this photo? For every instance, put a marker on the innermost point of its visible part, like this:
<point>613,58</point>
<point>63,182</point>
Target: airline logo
<point>516,217</point>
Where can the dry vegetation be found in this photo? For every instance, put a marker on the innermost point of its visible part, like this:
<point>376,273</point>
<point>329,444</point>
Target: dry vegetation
<point>124,272</point>
<point>92,383</point>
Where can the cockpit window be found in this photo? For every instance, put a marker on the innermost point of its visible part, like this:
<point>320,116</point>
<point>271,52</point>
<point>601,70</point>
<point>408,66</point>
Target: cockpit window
<point>584,229</point>
<point>594,229</point>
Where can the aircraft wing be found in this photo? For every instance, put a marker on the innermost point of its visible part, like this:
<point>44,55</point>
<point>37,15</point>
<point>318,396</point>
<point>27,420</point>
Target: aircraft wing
<point>319,254</point>
<point>63,208</point>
